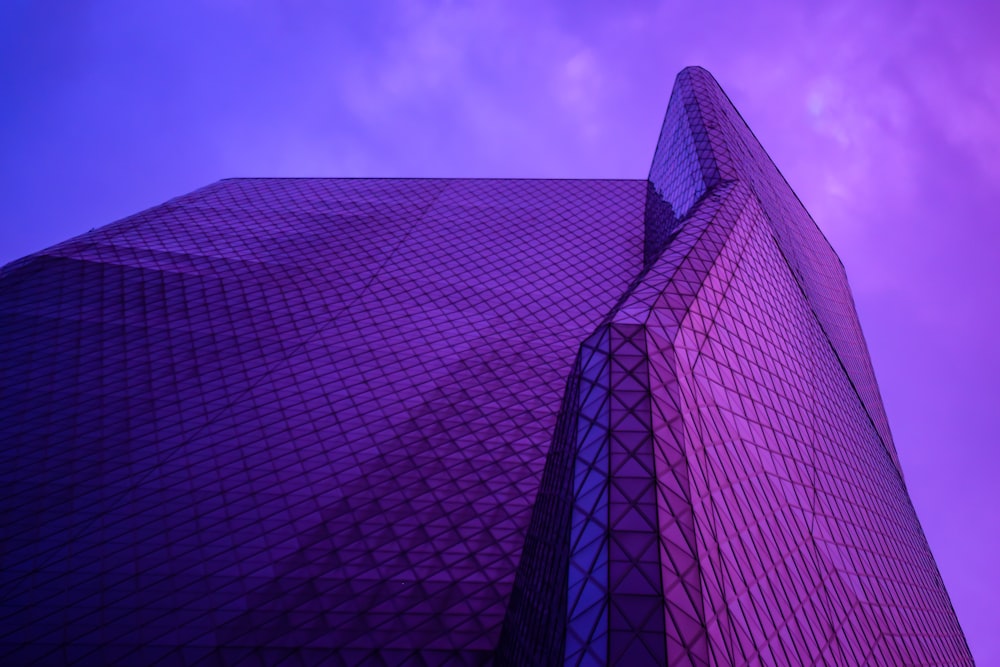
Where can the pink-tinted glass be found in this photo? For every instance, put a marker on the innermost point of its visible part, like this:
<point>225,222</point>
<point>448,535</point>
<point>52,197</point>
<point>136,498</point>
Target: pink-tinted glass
<point>724,489</point>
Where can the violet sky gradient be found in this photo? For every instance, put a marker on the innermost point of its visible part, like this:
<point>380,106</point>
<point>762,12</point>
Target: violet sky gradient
<point>883,116</point>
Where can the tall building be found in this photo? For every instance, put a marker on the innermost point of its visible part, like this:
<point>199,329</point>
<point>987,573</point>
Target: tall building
<point>452,421</point>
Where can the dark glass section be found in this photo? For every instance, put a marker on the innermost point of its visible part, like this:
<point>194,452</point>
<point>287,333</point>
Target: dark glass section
<point>660,225</point>
<point>294,419</point>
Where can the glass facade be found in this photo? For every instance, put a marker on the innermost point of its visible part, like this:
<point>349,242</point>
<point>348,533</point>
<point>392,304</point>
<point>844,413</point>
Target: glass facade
<point>452,421</point>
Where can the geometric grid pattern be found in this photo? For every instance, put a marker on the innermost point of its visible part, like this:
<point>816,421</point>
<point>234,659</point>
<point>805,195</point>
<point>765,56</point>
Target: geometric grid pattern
<point>730,491</point>
<point>449,421</point>
<point>293,420</point>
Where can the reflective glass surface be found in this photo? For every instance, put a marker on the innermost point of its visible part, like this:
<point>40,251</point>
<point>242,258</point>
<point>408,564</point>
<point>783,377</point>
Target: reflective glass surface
<point>453,421</point>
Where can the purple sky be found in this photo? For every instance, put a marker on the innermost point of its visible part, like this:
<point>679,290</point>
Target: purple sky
<point>884,117</point>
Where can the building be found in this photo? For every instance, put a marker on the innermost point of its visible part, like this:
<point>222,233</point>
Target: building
<point>452,421</point>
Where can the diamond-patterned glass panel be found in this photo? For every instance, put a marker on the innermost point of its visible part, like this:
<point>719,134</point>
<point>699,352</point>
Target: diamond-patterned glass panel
<point>754,494</point>
<point>307,416</point>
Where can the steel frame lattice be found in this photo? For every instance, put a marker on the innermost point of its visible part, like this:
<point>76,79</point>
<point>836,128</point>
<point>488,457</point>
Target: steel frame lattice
<point>451,421</point>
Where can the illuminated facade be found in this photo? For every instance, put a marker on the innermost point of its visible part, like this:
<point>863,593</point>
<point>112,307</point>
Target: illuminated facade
<point>452,421</point>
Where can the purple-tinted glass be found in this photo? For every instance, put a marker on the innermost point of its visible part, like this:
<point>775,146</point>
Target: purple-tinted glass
<point>726,490</point>
<point>445,421</point>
